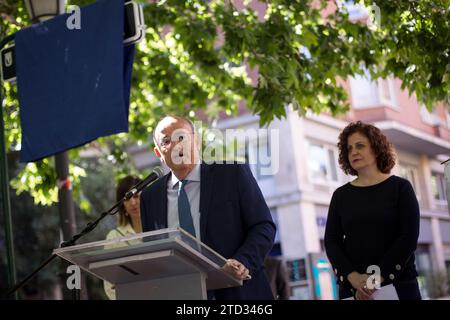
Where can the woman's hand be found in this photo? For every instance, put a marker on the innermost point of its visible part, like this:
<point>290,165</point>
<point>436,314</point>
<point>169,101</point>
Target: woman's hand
<point>359,282</point>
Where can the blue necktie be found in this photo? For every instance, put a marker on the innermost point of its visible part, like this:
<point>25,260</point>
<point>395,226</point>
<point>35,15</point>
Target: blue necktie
<point>184,209</point>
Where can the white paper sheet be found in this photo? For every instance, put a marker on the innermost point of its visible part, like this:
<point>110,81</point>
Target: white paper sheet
<point>384,293</point>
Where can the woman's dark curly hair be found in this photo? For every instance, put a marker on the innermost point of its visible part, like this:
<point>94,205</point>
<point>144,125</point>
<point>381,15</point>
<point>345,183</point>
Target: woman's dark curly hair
<point>381,147</point>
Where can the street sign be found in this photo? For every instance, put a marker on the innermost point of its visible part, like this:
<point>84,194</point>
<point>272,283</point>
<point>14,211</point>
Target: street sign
<point>8,64</point>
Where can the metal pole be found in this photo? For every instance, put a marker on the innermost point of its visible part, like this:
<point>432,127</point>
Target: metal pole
<point>66,206</point>
<point>4,183</point>
<point>66,211</point>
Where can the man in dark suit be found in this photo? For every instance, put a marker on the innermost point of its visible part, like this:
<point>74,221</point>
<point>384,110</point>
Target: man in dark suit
<point>220,204</point>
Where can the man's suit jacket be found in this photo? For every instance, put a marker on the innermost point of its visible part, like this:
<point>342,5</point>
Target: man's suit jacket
<point>234,221</point>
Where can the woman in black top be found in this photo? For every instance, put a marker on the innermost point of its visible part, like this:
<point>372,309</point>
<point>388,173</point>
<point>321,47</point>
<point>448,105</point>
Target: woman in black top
<point>373,221</point>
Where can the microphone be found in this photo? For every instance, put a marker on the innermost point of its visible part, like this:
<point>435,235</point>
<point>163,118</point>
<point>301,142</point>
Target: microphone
<point>155,175</point>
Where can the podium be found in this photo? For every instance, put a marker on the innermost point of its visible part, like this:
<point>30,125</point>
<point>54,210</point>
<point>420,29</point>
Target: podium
<point>162,264</point>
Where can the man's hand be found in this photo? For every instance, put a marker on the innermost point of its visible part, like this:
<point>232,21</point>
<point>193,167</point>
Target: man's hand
<point>359,282</point>
<point>236,269</point>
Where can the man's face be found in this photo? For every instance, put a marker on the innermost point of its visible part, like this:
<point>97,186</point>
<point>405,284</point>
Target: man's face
<point>176,144</point>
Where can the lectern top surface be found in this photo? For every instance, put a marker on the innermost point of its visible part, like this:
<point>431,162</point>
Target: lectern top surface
<point>146,242</point>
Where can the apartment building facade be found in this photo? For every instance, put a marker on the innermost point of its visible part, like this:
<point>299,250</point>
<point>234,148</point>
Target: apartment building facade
<point>307,173</point>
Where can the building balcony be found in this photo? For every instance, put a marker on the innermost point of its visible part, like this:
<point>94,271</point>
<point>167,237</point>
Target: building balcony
<point>411,139</point>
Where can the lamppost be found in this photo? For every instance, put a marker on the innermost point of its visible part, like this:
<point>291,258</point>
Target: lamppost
<point>41,10</point>
<point>4,184</point>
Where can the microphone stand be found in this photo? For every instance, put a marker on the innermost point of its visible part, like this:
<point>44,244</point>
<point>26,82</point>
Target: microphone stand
<point>89,227</point>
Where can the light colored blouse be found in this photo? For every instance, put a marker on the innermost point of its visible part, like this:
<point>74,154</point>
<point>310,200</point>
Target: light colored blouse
<point>120,231</point>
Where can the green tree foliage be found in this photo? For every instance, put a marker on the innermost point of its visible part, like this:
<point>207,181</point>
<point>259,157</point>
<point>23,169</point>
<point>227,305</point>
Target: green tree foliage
<point>35,235</point>
<point>36,231</point>
<point>197,55</point>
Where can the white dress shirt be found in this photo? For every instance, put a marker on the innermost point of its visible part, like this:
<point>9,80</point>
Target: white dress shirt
<point>192,189</point>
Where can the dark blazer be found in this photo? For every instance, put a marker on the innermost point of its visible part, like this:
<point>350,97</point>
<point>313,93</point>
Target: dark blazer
<point>234,221</point>
<point>375,225</point>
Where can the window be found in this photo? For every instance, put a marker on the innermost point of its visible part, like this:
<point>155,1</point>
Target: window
<point>367,93</point>
<point>448,116</point>
<point>364,91</point>
<point>322,163</point>
<point>333,164</point>
<point>438,187</point>
<point>428,117</point>
<point>410,173</point>
<point>355,10</point>
<point>259,157</point>
<point>387,93</point>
